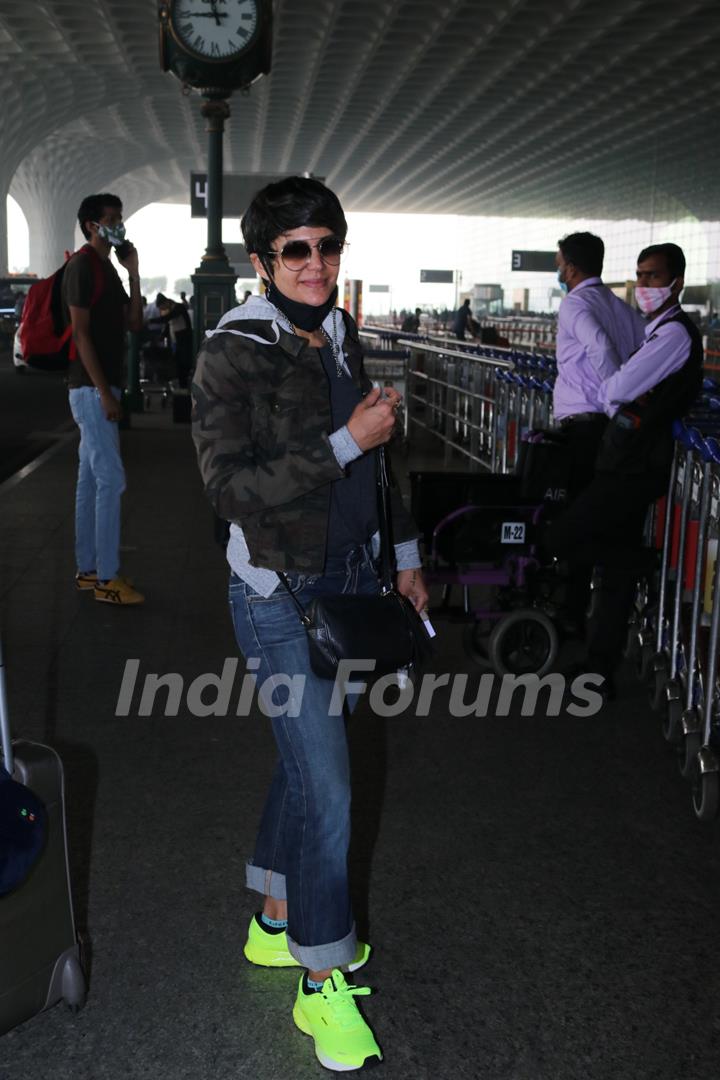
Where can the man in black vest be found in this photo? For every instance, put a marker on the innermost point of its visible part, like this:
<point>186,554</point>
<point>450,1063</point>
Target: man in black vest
<point>657,384</point>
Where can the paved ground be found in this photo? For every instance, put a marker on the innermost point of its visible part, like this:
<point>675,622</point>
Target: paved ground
<point>33,412</point>
<point>542,902</point>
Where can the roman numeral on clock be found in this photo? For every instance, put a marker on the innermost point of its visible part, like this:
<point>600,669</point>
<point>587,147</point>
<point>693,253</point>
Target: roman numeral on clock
<point>214,49</point>
<point>199,42</point>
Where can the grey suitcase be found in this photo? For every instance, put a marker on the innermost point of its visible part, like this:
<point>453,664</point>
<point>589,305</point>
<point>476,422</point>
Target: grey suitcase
<point>39,952</point>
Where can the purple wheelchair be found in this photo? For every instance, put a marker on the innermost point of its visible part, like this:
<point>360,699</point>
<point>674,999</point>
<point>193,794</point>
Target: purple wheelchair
<point>486,548</point>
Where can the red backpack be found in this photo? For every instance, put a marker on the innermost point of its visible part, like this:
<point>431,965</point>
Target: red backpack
<point>46,343</point>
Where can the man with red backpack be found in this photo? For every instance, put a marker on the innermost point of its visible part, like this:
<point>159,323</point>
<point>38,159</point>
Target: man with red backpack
<point>98,309</point>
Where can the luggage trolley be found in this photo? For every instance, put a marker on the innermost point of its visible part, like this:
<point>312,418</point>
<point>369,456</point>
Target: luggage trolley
<point>665,691</point>
<point>524,402</point>
<point>684,515</point>
<point>702,753</point>
<point>388,367</point>
<point>682,638</point>
<point>649,625</point>
<point>647,621</point>
<point>690,733</point>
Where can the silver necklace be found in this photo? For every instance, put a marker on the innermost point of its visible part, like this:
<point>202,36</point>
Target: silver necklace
<point>333,343</point>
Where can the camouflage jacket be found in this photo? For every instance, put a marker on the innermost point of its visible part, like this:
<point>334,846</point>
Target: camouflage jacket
<point>261,426</point>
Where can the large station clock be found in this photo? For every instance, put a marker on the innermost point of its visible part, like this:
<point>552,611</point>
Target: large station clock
<point>216,45</point>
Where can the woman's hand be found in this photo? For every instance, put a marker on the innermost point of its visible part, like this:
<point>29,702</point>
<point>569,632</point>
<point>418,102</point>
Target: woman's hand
<point>372,421</point>
<point>411,583</point>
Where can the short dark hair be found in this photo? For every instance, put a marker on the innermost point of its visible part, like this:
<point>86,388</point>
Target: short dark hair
<point>92,207</point>
<point>674,257</point>
<point>584,250</point>
<point>290,204</point>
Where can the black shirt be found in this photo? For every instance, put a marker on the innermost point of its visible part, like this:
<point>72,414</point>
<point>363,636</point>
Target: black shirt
<point>353,515</point>
<point>107,315</point>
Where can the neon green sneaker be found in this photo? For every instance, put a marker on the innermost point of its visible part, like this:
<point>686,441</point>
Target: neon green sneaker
<point>343,1040</point>
<point>271,950</point>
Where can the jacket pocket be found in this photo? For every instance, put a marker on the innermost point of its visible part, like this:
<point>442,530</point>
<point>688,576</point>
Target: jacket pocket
<point>276,424</point>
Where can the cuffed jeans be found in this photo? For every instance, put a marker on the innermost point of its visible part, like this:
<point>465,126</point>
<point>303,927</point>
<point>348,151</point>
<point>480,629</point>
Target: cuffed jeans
<point>302,844</point>
<point>100,484</point>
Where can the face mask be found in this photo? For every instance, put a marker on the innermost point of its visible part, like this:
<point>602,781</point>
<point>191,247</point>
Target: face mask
<point>305,316</point>
<point>650,299</point>
<point>563,284</point>
<point>114,234</point>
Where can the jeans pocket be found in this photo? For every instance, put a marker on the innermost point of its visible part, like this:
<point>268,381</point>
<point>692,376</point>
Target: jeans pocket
<point>296,582</point>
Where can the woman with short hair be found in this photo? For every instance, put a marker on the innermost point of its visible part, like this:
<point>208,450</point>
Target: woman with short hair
<point>286,423</point>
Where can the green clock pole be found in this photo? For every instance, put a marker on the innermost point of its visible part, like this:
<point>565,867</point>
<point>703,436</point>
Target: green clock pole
<point>214,279</point>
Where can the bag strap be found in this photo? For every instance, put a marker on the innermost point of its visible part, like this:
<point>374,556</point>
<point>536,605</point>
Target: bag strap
<point>304,618</point>
<point>384,521</point>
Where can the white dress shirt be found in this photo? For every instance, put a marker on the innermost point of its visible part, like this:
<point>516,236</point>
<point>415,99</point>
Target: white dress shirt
<point>665,349</point>
<point>596,334</point>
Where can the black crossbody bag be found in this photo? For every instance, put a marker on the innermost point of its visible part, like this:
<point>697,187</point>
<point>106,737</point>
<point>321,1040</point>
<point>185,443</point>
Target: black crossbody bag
<point>384,628</point>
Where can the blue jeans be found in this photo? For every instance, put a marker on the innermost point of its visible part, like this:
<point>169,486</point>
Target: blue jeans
<point>100,484</point>
<point>302,844</point>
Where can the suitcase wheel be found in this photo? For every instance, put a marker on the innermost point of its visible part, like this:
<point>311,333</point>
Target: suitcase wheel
<point>74,985</point>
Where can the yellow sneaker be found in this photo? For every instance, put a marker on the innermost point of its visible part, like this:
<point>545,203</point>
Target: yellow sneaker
<point>268,949</point>
<point>85,580</point>
<point>343,1039</point>
<point>118,591</point>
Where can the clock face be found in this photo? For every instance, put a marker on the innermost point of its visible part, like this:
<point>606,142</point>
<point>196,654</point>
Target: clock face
<point>215,29</point>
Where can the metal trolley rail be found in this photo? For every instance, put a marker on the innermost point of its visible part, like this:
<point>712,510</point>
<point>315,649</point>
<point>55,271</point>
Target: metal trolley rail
<point>478,401</point>
<point>678,634</point>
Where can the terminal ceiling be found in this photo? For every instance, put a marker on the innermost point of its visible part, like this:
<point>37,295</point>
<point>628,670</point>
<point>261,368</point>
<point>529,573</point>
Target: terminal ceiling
<point>498,107</point>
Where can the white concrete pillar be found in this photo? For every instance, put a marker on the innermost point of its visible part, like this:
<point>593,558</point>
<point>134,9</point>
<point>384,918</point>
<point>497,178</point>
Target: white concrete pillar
<point>49,199</point>
<point>3,230</point>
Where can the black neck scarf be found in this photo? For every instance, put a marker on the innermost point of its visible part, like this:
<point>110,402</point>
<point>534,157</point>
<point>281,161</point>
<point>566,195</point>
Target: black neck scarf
<point>303,316</point>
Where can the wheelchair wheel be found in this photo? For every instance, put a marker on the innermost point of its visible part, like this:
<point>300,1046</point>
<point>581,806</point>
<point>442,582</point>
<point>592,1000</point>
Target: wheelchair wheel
<point>643,661</point>
<point>632,641</point>
<point>672,722</point>
<point>660,675</point>
<point>524,642</point>
<point>706,795</point>
<point>688,759</point>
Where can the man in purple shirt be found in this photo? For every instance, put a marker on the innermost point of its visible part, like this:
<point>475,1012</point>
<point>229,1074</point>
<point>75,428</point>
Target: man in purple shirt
<point>655,386</point>
<point>596,334</point>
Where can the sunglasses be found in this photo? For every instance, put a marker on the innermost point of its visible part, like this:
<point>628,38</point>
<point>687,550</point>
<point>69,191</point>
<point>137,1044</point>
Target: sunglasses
<point>296,254</point>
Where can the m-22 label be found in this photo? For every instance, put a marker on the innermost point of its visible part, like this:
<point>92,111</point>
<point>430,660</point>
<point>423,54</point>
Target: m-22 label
<point>512,532</point>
